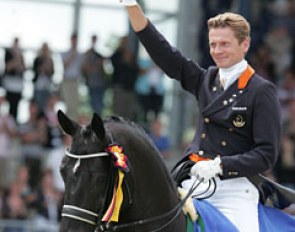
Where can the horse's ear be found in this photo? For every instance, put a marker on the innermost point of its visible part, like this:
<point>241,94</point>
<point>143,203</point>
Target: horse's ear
<point>97,126</point>
<point>67,124</point>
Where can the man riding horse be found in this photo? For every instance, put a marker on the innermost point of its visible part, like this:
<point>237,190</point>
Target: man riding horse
<point>239,125</point>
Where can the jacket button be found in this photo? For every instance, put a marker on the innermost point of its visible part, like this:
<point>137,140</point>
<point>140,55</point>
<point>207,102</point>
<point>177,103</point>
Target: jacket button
<point>207,120</point>
<point>223,143</point>
<point>201,152</point>
<point>203,135</point>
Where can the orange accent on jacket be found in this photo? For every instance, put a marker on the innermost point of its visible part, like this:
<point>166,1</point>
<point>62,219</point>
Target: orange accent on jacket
<point>196,158</point>
<point>245,77</point>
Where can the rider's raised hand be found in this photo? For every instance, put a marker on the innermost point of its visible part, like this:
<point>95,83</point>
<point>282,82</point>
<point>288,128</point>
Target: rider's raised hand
<point>128,2</point>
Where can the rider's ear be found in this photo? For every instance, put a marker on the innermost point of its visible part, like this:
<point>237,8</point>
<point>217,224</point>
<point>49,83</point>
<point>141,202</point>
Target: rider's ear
<point>67,124</point>
<point>97,126</point>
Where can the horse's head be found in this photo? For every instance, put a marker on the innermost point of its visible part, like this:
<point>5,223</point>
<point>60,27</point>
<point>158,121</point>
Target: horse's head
<point>100,186</point>
<point>85,179</point>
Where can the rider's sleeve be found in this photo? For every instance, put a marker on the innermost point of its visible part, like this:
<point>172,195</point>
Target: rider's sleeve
<point>170,60</point>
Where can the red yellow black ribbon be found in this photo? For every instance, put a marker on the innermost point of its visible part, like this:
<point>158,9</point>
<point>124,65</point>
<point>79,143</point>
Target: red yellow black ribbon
<point>121,162</point>
<point>113,211</point>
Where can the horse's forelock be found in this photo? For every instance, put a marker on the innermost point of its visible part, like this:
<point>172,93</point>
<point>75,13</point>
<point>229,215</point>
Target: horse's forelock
<point>85,141</point>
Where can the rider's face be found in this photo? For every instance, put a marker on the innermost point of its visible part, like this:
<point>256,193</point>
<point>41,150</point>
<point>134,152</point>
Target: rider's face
<point>225,49</point>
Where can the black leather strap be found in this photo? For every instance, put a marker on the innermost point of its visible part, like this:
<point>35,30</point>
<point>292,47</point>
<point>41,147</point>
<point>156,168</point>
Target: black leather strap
<point>273,193</point>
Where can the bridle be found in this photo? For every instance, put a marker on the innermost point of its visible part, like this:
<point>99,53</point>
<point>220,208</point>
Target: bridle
<point>75,212</point>
<point>92,218</point>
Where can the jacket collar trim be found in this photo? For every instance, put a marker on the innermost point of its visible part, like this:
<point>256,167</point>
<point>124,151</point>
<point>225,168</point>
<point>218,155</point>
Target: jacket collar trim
<point>245,77</point>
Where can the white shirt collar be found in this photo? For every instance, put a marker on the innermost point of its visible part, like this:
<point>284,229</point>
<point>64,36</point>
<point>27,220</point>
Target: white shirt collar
<point>231,74</point>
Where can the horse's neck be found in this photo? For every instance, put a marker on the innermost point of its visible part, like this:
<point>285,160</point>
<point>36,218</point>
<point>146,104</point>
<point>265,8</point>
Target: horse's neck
<point>155,188</point>
<point>155,203</point>
<point>152,190</point>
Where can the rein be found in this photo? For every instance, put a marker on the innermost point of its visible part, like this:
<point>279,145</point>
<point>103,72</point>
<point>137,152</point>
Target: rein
<point>175,212</point>
<point>90,217</point>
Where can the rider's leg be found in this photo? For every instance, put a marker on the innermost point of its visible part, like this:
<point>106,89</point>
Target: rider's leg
<point>238,200</point>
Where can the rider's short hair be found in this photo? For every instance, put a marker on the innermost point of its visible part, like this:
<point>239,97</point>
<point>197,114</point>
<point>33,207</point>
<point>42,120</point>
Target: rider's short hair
<point>236,22</point>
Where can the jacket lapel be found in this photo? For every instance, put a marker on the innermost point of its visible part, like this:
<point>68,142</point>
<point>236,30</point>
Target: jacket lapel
<point>231,95</point>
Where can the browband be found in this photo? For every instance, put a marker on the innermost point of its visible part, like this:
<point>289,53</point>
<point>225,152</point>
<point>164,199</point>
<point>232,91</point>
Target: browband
<point>89,156</point>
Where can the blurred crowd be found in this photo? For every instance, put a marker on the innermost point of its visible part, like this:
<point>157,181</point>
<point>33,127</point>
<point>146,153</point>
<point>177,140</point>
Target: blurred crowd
<point>31,151</point>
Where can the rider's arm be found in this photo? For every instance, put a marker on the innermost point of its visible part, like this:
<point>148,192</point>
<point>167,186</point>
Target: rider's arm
<point>136,16</point>
<point>168,58</point>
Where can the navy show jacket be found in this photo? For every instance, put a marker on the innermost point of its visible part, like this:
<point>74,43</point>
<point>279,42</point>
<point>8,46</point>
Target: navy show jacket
<point>241,125</point>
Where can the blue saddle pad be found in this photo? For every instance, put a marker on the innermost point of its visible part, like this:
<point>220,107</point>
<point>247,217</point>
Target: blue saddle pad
<point>274,220</point>
<point>270,219</point>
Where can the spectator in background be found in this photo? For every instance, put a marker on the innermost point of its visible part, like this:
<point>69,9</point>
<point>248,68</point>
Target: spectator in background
<point>53,162</point>
<point>13,76</point>
<point>43,71</point>
<point>161,140</point>
<point>124,76</point>
<point>33,135</point>
<point>72,62</point>
<point>8,132</point>
<point>1,201</point>
<point>280,44</point>
<point>47,204</point>
<point>261,60</point>
<point>286,91</point>
<point>284,12</point>
<point>150,89</point>
<point>54,134</point>
<point>14,207</point>
<point>93,72</point>
<point>285,170</point>
<point>22,180</point>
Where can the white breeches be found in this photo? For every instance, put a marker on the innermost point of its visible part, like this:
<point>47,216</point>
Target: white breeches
<point>236,198</point>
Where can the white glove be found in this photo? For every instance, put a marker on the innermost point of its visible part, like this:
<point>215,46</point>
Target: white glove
<point>207,169</point>
<point>128,2</point>
<point>188,207</point>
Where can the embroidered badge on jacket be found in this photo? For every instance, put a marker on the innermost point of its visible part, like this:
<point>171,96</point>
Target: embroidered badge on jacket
<point>239,121</point>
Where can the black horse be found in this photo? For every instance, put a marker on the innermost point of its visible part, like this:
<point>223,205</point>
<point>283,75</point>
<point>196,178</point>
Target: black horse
<point>90,171</point>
